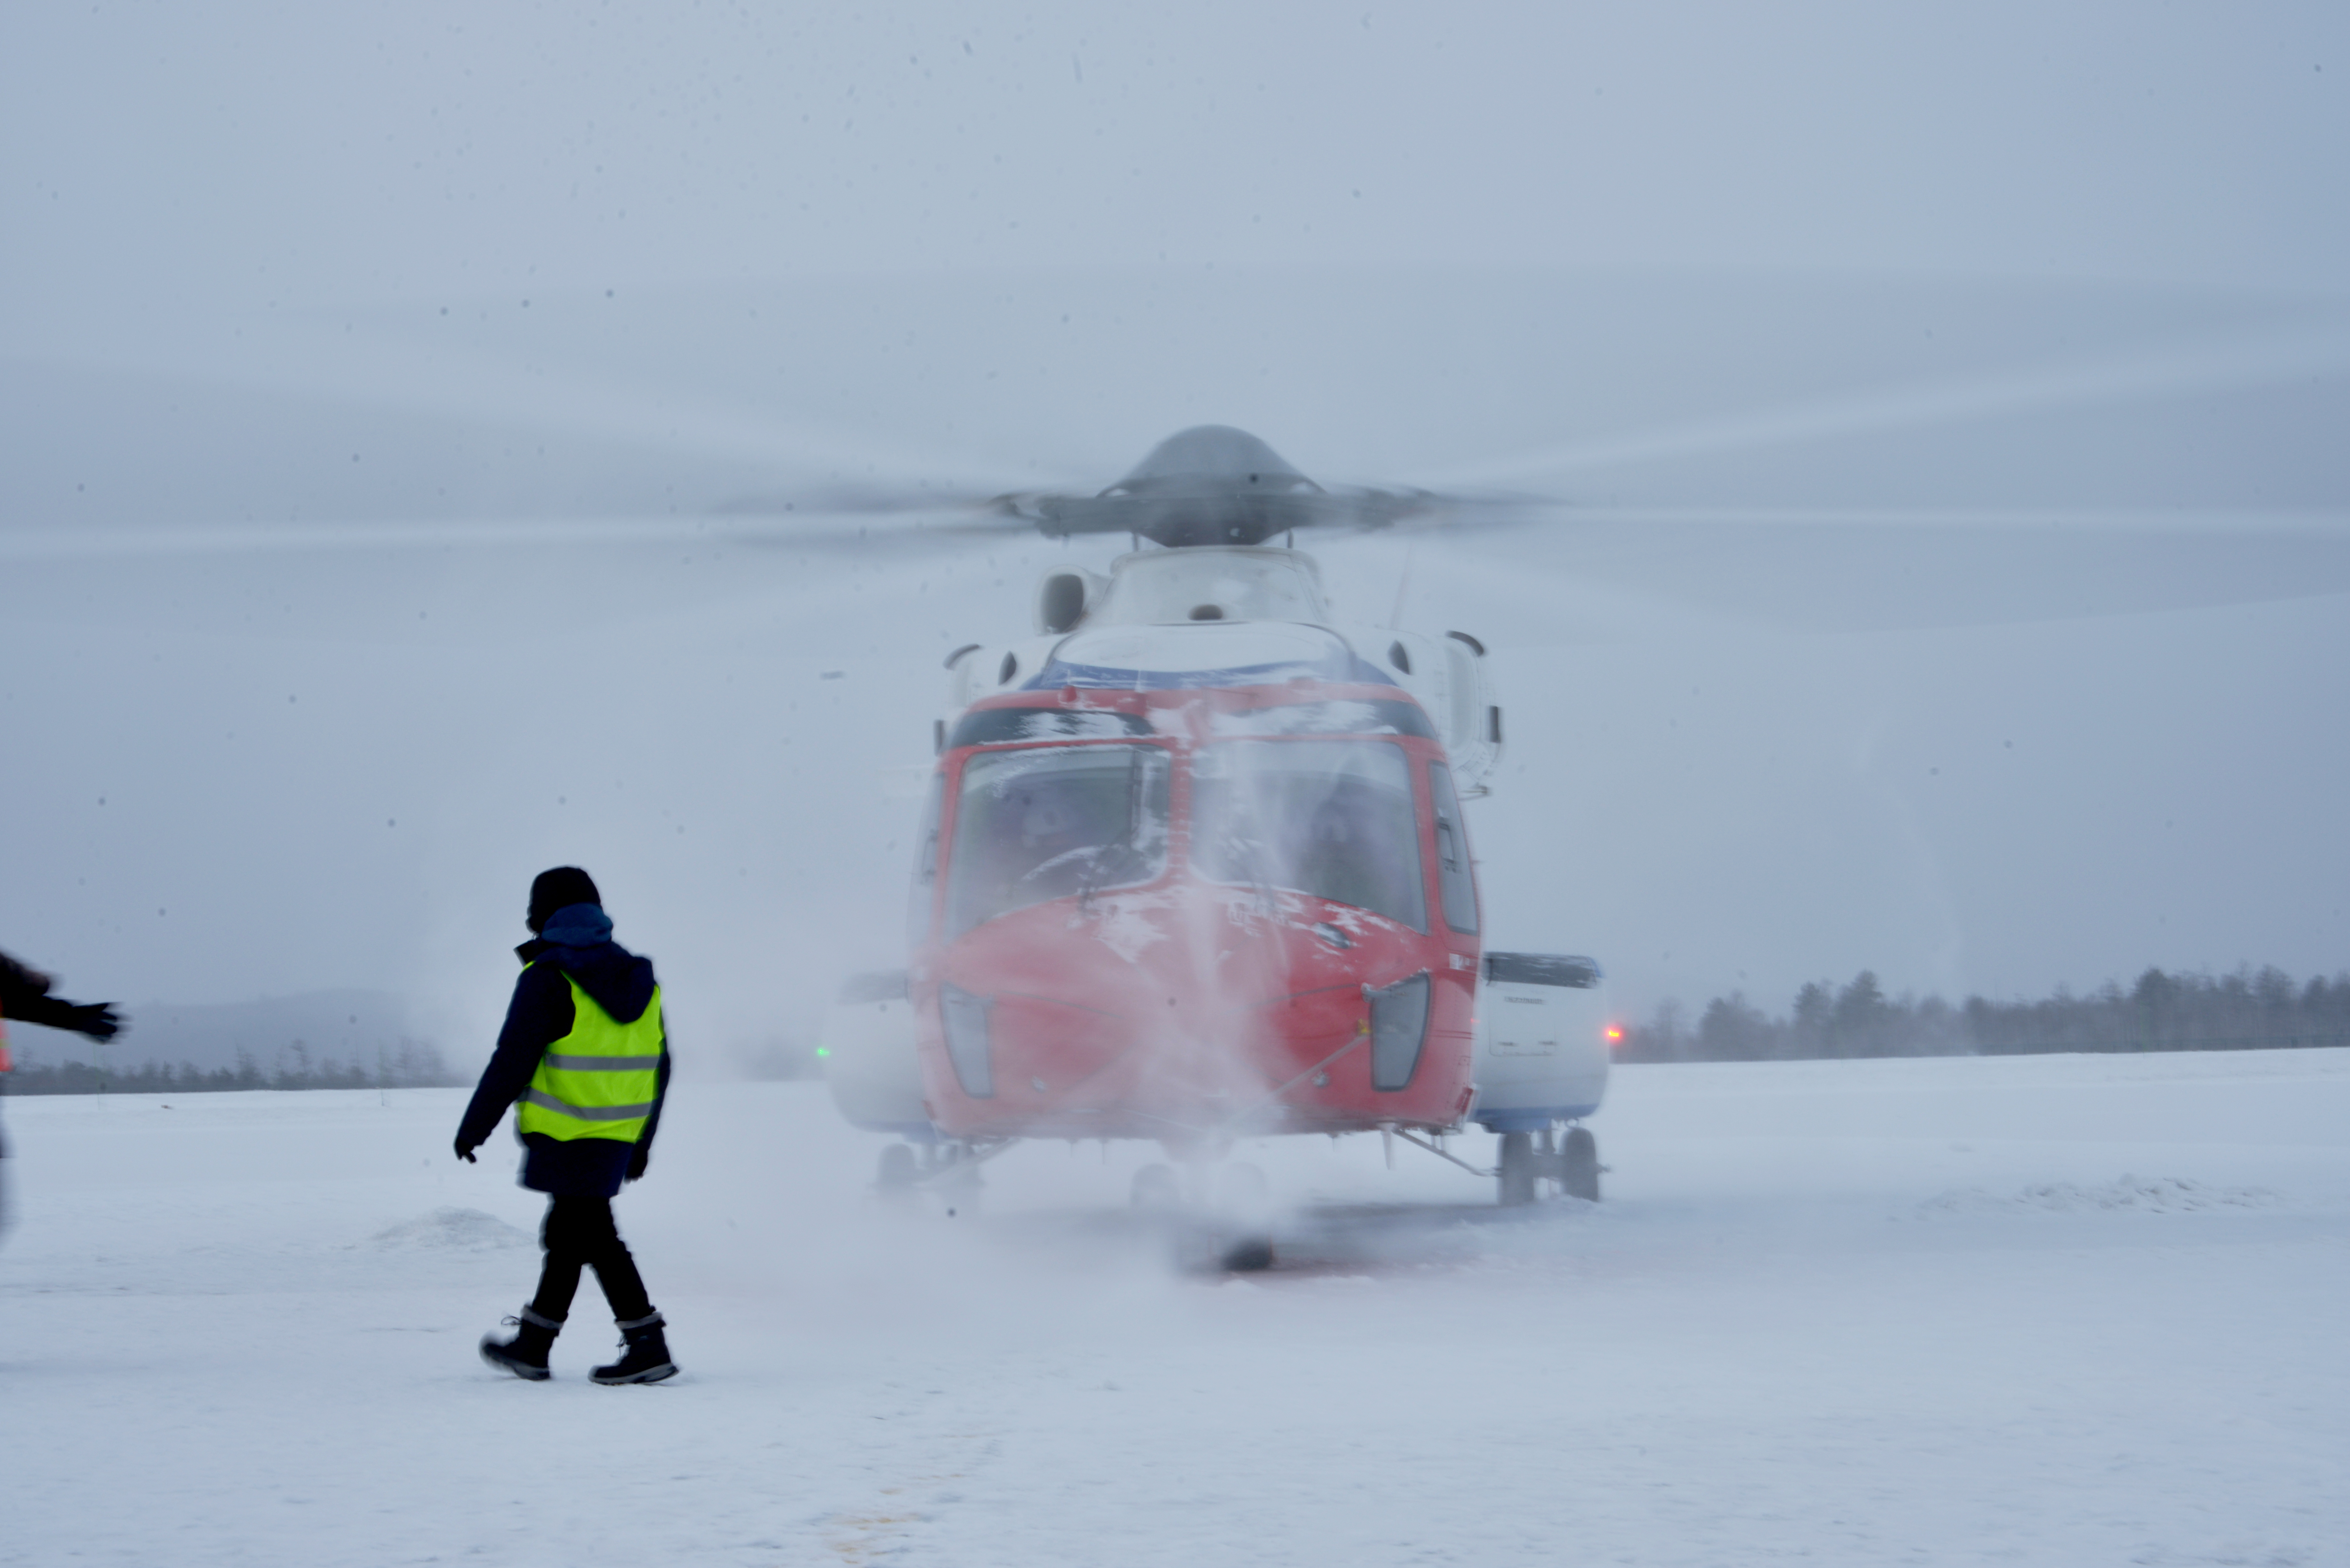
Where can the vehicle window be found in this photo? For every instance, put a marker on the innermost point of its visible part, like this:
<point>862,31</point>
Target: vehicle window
<point>1051,821</point>
<point>1332,818</point>
<point>1454,880</point>
<point>1543,969</point>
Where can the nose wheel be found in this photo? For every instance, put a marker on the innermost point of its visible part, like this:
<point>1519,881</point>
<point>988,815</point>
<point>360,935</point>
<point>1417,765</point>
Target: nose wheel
<point>1224,1213</point>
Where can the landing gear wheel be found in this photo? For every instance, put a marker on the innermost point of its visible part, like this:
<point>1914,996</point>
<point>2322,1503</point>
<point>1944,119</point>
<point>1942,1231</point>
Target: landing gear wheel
<point>1245,1211</point>
<point>1248,1254</point>
<point>897,1171</point>
<point>1578,1165</point>
<point>1517,1172</point>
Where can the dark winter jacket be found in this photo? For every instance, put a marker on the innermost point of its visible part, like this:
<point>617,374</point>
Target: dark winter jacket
<point>576,942</point>
<point>25,998</point>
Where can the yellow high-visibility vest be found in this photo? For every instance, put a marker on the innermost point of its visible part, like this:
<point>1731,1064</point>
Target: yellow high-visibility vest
<point>601,1079</point>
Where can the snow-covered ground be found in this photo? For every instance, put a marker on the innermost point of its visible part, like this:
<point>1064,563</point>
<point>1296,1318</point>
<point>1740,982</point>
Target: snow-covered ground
<point>2057,1310</point>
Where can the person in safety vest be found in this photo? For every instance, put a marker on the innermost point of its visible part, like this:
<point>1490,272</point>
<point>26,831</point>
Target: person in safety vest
<point>584,1053</point>
<point>24,997</point>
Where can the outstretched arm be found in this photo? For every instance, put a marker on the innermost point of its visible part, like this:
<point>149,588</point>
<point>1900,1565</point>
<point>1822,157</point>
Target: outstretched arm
<point>539,1014</point>
<point>25,996</point>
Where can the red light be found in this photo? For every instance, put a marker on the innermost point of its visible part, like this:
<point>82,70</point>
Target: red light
<point>1613,1034</point>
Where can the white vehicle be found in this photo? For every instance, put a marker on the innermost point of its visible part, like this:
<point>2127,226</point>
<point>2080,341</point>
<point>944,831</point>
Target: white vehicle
<point>1542,1038</point>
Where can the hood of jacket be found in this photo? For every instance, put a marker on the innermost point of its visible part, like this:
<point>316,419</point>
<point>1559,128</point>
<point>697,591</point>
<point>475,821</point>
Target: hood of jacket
<point>577,940</point>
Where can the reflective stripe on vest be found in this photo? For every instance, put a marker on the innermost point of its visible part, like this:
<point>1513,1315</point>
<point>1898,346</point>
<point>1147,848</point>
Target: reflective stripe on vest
<point>599,1081</point>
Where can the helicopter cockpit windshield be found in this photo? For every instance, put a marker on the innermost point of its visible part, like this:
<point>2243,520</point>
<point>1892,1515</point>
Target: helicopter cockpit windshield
<point>1331,819</point>
<point>1044,823</point>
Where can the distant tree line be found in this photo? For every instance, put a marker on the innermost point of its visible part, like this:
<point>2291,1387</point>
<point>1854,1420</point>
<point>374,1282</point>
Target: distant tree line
<point>413,1065</point>
<point>2247,1009</point>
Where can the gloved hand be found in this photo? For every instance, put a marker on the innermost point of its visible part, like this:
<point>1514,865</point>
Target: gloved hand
<point>638,1157</point>
<point>465,1151</point>
<point>96,1019</point>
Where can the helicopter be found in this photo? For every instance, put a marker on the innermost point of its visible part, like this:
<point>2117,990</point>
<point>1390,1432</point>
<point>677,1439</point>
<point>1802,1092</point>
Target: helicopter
<point>1193,867</point>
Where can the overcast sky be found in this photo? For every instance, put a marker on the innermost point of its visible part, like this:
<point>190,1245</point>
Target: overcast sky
<point>1979,371</point>
<point>288,152</point>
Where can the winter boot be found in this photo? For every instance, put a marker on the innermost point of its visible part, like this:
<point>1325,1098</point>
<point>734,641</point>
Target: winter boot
<point>644,1358</point>
<point>525,1354</point>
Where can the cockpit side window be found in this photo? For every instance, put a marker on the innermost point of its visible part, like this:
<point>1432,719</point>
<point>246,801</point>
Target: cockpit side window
<point>1454,879</point>
<point>1329,818</point>
<point>1046,822</point>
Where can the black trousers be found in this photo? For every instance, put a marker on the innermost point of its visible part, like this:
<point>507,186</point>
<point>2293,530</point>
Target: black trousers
<point>579,1233</point>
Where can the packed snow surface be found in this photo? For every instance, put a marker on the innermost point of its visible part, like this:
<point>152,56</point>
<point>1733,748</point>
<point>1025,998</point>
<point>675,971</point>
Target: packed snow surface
<point>2054,1310</point>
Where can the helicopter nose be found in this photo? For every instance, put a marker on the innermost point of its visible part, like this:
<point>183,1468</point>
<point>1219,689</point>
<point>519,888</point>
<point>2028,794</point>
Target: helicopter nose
<point>1205,1005</point>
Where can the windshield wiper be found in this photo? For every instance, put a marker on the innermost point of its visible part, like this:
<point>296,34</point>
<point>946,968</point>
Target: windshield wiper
<point>1107,855</point>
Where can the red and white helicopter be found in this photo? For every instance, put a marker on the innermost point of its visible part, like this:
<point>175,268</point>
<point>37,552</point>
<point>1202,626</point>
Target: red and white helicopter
<point>1194,868</point>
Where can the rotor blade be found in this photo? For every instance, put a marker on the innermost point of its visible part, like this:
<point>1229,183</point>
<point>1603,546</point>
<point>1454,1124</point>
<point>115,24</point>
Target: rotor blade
<point>2311,348</point>
<point>851,533</point>
<point>1629,573</point>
